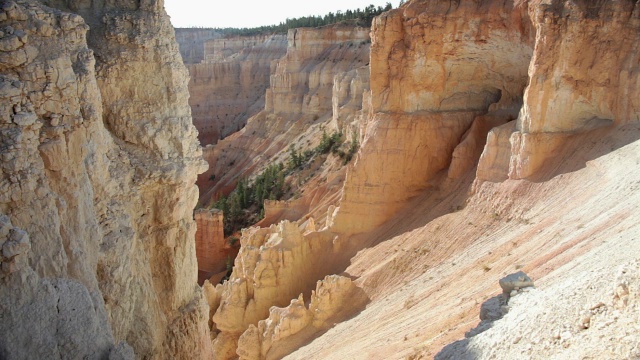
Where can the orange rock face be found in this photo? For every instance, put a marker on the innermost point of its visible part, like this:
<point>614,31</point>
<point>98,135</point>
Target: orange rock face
<point>434,69</point>
<point>575,84</point>
<point>499,90</point>
<point>214,253</point>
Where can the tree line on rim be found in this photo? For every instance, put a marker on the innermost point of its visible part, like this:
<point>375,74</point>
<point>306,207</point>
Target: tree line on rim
<point>360,17</point>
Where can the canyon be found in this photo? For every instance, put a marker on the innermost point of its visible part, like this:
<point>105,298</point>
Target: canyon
<point>493,137</point>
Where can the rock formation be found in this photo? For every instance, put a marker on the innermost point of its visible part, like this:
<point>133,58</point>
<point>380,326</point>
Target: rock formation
<point>439,238</point>
<point>323,70</point>
<point>461,106</point>
<point>288,328</point>
<point>433,74</point>
<point>191,42</point>
<point>98,164</point>
<point>228,86</point>
<point>274,265</point>
<point>575,84</point>
<point>497,137</point>
<point>213,251</point>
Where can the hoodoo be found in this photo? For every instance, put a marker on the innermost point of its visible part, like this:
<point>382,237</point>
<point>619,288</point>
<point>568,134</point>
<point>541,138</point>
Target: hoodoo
<point>458,181</point>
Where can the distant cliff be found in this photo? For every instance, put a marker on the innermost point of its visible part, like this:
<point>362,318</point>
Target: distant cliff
<point>228,87</point>
<point>323,70</point>
<point>191,43</point>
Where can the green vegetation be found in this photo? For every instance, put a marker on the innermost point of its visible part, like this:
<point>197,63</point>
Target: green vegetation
<point>361,17</point>
<point>328,144</point>
<point>244,206</point>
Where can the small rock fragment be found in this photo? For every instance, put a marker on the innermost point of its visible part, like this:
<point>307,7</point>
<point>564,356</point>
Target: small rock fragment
<point>18,243</point>
<point>585,322</point>
<point>515,282</point>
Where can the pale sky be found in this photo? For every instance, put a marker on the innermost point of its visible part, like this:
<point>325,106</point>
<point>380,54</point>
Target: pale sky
<point>252,13</point>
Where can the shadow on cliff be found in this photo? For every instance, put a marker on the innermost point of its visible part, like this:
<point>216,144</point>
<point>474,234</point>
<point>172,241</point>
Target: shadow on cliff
<point>578,149</point>
<point>447,197</point>
<point>490,311</point>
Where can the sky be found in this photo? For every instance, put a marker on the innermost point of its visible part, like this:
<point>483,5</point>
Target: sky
<point>253,13</point>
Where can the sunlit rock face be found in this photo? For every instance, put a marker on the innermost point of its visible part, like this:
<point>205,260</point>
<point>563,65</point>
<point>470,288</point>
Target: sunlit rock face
<point>435,69</point>
<point>274,265</point>
<point>99,164</point>
<point>292,326</point>
<point>575,84</point>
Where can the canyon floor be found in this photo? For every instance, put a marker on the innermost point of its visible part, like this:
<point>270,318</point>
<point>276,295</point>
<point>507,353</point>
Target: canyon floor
<point>574,230</point>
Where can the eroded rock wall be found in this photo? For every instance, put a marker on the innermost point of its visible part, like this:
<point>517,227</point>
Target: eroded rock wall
<point>191,42</point>
<point>229,86</point>
<point>99,162</point>
<point>334,298</point>
<point>274,265</point>
<point>436,66</point>
<point>582,77</point>
<point>320,64</point>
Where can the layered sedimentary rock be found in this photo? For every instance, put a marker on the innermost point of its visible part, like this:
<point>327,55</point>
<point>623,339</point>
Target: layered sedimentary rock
<point>435,68</point>
<point>579,79</point>
<point>572,228</point>
<point>229,86</point>
<point>334,298</point>
<point>320,65</point>
<point>227,48</point>
<point>191,42</point>
<point>274,265</point>
<point>214,253</point>
<point>99,158</point>
<point>446,78</point>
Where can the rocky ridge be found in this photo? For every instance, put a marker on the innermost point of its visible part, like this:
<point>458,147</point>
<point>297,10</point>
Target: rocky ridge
<point>99,161</point>
<point>228,86</point>
<point>460,182</point>
<point>324,69</point>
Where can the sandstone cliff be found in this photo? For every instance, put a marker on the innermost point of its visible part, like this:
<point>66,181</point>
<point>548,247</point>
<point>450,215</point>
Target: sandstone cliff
<point>228,86</point>
<point>99,158</point>
<point>214,253</point>
<point>434,73</point>
<point>577,84</point>
<point>318,84</point>
<point>466,174</point>
<point>191,42</point>
<point>554,188</point>
<point>497,136</point>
